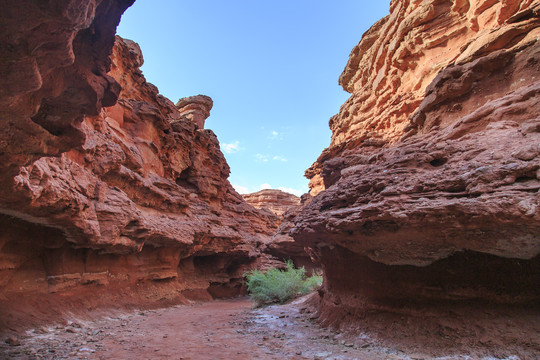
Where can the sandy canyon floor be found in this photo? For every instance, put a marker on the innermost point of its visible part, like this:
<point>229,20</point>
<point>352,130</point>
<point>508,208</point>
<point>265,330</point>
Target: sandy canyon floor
<point>225,329</point>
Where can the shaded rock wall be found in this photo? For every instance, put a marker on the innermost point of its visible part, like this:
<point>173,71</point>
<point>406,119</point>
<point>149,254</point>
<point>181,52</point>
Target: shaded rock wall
<point>432,175</point>
<point>105,183</point>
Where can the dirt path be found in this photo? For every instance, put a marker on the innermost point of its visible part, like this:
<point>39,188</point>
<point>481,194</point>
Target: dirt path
<point>227,329</point>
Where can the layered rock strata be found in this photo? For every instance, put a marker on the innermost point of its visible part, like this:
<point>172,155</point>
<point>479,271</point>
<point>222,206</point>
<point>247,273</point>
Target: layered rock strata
<point>106,184</point>
<point>432,176</point>
<point>277,201</point>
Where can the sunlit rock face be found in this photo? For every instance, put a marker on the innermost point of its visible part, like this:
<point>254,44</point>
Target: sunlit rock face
<point>433,166</point>
<point>106,183</point>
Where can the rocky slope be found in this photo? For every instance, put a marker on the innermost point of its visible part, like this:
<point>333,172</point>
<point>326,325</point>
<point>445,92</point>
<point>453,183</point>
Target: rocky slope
<point>431,179</point>
<point>106,185</point>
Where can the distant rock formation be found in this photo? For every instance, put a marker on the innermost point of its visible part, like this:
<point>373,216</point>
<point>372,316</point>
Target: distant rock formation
<point>286,206</point>
<point>276,201</point>
<point>429,188</point>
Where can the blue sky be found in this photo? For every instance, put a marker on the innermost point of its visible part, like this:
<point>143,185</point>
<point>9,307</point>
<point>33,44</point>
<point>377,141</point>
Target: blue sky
<point>271,67</point>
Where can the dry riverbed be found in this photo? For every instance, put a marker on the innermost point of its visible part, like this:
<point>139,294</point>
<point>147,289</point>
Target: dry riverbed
<point>225,329</point>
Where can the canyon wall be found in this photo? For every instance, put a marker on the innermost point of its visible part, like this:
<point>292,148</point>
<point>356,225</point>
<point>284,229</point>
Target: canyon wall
<point>108,187</point>
<point>428,191</point>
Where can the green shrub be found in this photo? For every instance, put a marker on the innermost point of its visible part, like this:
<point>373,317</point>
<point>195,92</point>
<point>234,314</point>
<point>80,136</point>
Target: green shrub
<point>278,286</point>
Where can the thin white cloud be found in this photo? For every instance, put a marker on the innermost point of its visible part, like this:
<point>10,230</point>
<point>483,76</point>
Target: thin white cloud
<point>231,148</point>
<point>261,158</point>
<point>279,158</point>
<point>274,135</point>
<point>296,192</point>
<point>241,189</point>
<point>266,158</point>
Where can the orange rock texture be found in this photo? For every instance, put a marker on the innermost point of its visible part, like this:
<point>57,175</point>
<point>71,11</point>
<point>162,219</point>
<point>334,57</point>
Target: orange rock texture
<point>429,188</point>
<point>106,184</point>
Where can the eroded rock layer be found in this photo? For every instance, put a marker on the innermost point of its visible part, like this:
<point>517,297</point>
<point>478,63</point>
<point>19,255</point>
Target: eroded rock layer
<point>106,184</point>
<point>432,175</point>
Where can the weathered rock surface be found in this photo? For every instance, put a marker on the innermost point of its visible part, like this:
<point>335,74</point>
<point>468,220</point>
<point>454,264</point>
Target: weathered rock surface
<point>432,175</point>
<point>137,190</point>
<point>276,201</point>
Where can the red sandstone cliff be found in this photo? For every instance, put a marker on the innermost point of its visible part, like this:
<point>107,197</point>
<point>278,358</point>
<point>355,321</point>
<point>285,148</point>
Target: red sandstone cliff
<point>432,175</point>
<point>118,186</point>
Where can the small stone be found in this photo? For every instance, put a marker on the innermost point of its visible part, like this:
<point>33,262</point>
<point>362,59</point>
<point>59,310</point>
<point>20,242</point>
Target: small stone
<point>321,355</point>
<point>527,207</point>
<point>13,341</point>
<point>526,154</point>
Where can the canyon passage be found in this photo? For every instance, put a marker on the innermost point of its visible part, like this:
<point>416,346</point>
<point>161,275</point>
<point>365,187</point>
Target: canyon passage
<point>121,235</point>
